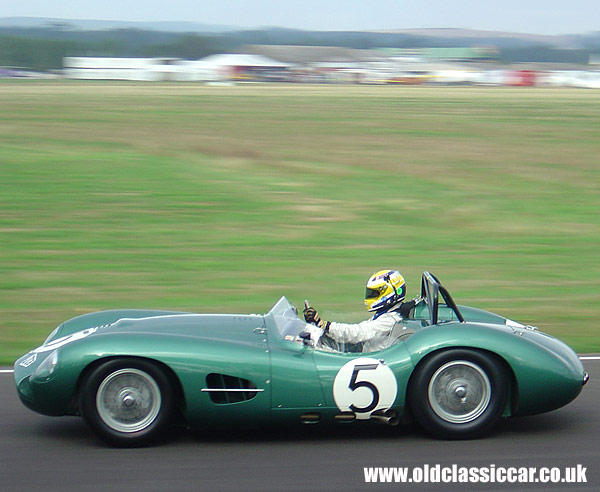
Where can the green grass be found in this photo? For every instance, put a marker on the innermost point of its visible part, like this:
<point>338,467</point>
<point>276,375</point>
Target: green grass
<point>217,199</point>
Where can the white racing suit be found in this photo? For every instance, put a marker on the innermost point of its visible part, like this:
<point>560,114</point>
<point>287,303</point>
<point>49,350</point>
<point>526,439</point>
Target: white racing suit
<point>375,333</point>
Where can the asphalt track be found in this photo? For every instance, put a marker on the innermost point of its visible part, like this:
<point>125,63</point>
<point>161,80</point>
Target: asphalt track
<point>60,454</point>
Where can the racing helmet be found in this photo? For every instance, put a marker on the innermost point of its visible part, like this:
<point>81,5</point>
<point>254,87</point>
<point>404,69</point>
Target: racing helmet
<point>385,288</point>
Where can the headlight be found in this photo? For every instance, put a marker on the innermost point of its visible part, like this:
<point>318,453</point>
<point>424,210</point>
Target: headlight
<point>46,368</point>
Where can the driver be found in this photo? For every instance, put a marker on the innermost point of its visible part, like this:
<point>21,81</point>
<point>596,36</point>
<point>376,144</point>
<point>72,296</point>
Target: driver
<point>385,294</point>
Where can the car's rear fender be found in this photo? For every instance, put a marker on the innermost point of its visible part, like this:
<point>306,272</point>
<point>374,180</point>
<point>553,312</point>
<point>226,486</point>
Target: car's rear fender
<point>512,401</point>
<point>545,377</point>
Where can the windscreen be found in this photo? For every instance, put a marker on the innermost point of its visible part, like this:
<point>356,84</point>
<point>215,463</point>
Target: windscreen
<point>286,318</point>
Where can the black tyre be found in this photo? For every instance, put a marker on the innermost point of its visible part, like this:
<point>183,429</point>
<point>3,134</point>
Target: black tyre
<point>459,393</point>
<point>126,402</point>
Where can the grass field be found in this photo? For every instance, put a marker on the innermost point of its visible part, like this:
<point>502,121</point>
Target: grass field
<point>222,199</point>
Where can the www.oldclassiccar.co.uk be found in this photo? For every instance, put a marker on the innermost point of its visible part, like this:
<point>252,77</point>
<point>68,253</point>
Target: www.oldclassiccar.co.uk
<point>486,474</point>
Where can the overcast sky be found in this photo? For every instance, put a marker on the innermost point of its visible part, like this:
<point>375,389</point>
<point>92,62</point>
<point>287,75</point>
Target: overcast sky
<point>532,16</point>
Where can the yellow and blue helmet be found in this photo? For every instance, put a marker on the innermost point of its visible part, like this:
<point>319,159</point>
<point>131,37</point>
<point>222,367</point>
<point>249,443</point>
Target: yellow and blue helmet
<point>385,288</point>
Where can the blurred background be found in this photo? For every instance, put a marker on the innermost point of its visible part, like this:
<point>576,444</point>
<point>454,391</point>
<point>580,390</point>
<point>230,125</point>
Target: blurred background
<point>153,51</point>
<point>214,168</point>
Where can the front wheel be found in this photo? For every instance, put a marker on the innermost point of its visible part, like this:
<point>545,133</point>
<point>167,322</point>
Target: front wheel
<point>459,394</point>
<point>126,402</point>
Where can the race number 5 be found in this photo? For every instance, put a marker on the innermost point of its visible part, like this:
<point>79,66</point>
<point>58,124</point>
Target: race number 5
<point>354,385</point>
<point>363,386</point>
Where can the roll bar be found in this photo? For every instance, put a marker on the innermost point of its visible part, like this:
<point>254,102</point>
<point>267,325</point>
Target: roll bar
<point>431,288</point>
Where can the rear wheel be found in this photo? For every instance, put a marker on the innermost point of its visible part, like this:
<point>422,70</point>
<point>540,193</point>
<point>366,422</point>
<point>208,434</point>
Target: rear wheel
<point>126,402</point>
<point>459,394</point>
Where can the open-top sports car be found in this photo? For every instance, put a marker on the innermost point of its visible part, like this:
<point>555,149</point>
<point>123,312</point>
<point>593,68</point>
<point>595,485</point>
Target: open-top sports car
<point>456,370</point>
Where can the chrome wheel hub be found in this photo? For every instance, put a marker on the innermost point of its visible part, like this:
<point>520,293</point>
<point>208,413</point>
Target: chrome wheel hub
<point>128,400</point>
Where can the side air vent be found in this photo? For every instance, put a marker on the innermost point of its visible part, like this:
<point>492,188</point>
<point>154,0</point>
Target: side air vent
<point>225,389</point>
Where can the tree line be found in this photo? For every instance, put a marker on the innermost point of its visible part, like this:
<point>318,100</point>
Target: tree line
<point>44,48</point>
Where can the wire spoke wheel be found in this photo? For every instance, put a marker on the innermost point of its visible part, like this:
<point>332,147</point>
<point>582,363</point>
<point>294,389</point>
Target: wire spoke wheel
<point>459,392</point>
<point>128,400</point>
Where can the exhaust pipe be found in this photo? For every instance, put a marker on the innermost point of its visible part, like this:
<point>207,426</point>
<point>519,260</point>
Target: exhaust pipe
<point>345,417</point>
<point>310,418</point>
<point>387,417</point>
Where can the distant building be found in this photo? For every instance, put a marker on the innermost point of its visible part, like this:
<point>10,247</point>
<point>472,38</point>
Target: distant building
<point>474,54</point>
<point>241,67</point>
<point>101,68</point>
<point>324,64</point>
<point>226,67</point>
<point>309,55</point>
<point>379,66</point>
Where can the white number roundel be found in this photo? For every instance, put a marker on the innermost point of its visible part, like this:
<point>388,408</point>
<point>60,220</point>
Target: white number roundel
<point>363,386</point>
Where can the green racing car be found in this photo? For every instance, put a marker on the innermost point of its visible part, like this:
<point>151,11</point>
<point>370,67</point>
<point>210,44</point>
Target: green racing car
<point>456,370</point>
